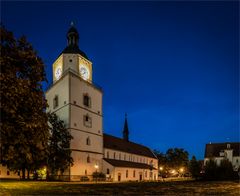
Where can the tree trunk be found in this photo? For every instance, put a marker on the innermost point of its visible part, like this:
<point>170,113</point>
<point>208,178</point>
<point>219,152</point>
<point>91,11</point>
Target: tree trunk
<point>28,174</point>
<point>23,173</point>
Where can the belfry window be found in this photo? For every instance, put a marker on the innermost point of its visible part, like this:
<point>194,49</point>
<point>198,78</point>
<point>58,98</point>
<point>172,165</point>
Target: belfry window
<point>87,121</point>
<point>86,100</point>
<point>55,102</point>
<point>88,141</point>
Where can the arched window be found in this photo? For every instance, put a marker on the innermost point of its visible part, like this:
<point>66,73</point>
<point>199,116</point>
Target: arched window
<point>88,142</point>
<point>114,155</point>
<point>55,102</point>
<point>119,156</point>
<point>134,173</point>
<point>108,172</point>
<point>88,159</point>
<point>126,173</point>
<point>86,100</point>
<point>85,172</point>
<point>107,154</point>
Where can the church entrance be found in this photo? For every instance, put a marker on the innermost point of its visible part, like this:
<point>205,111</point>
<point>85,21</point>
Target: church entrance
<point>119,177</point>
<point>140,176</point>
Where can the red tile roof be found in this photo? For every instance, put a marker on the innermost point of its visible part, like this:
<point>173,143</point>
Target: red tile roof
<point>119,144</point>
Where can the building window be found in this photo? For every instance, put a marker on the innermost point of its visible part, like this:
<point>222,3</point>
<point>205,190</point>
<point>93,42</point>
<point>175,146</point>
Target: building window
<point>228,146</point>
<point>114,155</point>
<point>8,173</point>
<point>134,173</point>
<point>88,159</point>
<point>70,60</point>
<point>126,173</point>
<point>146,174</point>
<point>86,100</point>
<point>107,154</point>
<point>0,172</point>
<point>55,102</point>
<point>18,173</point>
<point>88,142</point>
<point>108,172</point>
<point>124,157</point>
<point>236,160</point>
<point>119,156</point>
<point>87,121</point>
<point>85,172</point>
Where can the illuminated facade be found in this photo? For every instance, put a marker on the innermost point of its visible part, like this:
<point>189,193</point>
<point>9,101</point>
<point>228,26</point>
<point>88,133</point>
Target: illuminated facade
<point>78,102</point>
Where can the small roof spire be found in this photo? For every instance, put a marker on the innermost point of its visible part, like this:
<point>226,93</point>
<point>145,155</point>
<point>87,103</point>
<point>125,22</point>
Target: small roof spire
<point>125,129</point>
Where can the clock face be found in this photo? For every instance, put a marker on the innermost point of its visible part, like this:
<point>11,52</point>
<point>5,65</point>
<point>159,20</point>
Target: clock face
<point>84,72</point>
<point>58,72</point>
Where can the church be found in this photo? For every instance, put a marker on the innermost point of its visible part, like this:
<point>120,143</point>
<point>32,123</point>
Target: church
<point>77,101</point>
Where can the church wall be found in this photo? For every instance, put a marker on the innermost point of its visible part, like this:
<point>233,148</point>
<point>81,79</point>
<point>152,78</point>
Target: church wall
<point>124,156</point>
<point>60,89</point>
<point>127,174</point>
<point>85,163</point>
<point>6,173</point>
<point>70,61</point>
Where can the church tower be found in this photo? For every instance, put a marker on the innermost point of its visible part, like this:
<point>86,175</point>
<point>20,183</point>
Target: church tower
<point>78,102</point>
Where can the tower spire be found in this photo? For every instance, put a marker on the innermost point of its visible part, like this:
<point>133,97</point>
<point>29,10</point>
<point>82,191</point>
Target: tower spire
<point>125,129</point>
<point>72,36</point>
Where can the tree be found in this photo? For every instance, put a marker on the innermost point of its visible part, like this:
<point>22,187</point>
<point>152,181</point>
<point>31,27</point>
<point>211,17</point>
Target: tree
<point>211,170</point>
<point>23,124</point>
<point>195,167</point>
<point>177,157</point>
<point>225,170</point>
<point>59,158</point>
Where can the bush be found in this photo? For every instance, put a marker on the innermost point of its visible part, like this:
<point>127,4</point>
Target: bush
<point>222,172</point>
<point>99,176</point>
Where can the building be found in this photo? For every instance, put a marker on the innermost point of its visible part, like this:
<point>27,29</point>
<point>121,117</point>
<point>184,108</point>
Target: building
<point>75,98</point>
<point>221,151</point>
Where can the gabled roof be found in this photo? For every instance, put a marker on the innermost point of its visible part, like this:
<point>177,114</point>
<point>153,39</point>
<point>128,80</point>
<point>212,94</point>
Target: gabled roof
<point>120,163</point>
<point>119,144</point>
<point>213,150</point>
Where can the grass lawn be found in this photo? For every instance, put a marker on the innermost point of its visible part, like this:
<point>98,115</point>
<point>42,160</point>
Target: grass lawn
<point>129,188</point>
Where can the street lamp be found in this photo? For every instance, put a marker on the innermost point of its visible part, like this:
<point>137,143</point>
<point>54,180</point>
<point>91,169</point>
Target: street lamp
<point>96,167</point>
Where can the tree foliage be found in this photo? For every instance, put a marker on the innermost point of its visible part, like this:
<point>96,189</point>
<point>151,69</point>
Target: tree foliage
<point>24,129</point>
<point>224,171</point>
<point>177,157</point>
<point>195,167</point>
<point>59,158</point>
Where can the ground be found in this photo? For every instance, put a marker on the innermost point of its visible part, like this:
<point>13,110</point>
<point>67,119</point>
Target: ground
<point>130,188</point>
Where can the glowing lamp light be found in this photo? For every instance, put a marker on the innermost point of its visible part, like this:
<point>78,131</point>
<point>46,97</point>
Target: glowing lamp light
<point>181,169</point>
<point>161,168</point>
<point>173,171</point>
<point>96,166</point>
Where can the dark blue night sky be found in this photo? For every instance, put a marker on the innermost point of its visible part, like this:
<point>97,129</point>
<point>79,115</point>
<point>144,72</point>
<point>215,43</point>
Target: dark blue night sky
<point>172,66</point>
